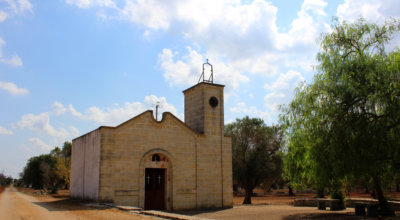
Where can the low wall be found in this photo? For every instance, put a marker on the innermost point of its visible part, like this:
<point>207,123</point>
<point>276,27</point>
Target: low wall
<point>309,202</point>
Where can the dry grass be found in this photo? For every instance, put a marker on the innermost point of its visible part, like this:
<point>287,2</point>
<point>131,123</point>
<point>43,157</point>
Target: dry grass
<point>2,188</point>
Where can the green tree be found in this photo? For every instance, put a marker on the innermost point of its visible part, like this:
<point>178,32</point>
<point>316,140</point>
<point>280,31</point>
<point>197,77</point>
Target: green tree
<point>62,171</point>
<point>37,171</point>
<point>255,148</point>
<point>67,149</point>
<point>4,180</point>
<point>56,152</point>
<point>345,124</point>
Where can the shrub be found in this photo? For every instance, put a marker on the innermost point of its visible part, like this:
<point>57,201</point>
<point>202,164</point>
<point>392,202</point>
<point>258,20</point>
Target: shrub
<point>337,194</point>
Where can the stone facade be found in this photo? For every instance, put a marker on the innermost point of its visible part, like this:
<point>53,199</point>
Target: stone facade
<point>196,156</point>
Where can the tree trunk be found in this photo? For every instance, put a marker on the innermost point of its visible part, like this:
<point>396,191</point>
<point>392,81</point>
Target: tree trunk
<point>320,192</point>
<point>235,188</point>
<point>379,195</point>
<point>366,189</point>
<point>398,188</point>
<point>247,197</point>
<point>291,191</point>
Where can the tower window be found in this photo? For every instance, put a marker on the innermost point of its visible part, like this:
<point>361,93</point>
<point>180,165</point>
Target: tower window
<point>213,102</point>
<point>155,158</point>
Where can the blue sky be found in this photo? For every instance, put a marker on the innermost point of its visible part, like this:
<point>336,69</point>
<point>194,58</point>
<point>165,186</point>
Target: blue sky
<point>70,66</point>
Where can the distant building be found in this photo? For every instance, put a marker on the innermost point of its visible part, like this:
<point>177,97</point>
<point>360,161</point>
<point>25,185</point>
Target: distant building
<point>159,165</point>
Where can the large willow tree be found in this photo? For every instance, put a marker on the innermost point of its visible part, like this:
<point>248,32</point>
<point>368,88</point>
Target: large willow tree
<point>346,123</point>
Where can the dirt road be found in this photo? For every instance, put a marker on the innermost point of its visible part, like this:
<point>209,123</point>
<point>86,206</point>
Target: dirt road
<point>15,205</point>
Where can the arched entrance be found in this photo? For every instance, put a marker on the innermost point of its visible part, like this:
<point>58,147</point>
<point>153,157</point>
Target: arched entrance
<point>156,180</point>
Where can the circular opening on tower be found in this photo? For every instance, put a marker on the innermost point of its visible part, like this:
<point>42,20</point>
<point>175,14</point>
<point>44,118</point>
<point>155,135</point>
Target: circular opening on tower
<point>213,102</point>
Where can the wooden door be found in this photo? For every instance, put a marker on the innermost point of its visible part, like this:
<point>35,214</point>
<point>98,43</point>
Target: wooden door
<point>154,189</point>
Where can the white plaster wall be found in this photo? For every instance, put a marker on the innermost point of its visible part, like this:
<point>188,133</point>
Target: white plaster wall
<point>85,166</point>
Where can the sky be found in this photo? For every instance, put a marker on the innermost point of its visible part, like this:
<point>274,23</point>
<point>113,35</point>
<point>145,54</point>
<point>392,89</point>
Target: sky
<point>70,66</point>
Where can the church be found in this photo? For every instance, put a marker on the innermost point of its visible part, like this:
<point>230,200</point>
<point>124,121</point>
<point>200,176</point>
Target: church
<point>160,165</point>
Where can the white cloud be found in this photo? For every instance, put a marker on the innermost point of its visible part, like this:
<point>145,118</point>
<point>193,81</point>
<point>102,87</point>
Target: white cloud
<point>23,147</point>
<point>244,35</point>
<point>241,107</point>
<point>24,5</point>
<point>4,131</point>
<point>90,3</point>
<point>3,15</point>
<point>2,43</point>
<point>304,31</point>
<point>80,3</point>
<point>116,116</point>
<point>265,116</point>
<point>12,7</point>
<point>101,15</point>
<point>58,108</point>
<point>187,71</point>
<point>251,96</point>
<point>317,6</point>
<point>13,89</point>
<point>302,62</point>
<point>74,131</point>
<point>373,10</point>
<point>37,143</point>
<point>282,89</point>
<point>14,61</point>
<point>146,35</point>
<point>40,124</point>
<point>228,121</point>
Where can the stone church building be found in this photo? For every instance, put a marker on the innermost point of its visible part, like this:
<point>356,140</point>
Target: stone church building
<point>159,165</point>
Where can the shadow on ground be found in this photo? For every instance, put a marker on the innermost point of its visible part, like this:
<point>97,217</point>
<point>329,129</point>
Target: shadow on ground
<point>198,212</point>
<point>332,216</point>
<point>70,205</point>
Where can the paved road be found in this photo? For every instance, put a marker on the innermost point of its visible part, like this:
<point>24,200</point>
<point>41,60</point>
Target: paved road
<point>15,205</point>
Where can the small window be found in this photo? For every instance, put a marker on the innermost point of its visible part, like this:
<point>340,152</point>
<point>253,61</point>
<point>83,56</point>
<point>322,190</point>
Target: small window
<point>155,158</point>
<point>213,102</point>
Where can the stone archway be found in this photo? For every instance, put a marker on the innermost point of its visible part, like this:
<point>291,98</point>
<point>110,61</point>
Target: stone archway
<point>166,162</point>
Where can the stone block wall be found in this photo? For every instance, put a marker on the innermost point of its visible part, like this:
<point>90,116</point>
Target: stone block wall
<point>124,148</point>
<point>194,109</point>
<point>214,169</point>
<point>198,157</point>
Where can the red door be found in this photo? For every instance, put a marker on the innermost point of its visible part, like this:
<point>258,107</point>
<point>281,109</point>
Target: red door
<point>154,189</point>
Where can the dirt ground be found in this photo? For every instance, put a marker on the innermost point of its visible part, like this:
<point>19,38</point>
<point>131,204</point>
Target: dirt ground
<point>278,206</point>
<point>284,199</point>
<point>277,212</point>
<point>58,207</point>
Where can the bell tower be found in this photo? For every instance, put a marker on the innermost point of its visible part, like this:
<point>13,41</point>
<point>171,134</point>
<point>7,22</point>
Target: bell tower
<point>204,106</point>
